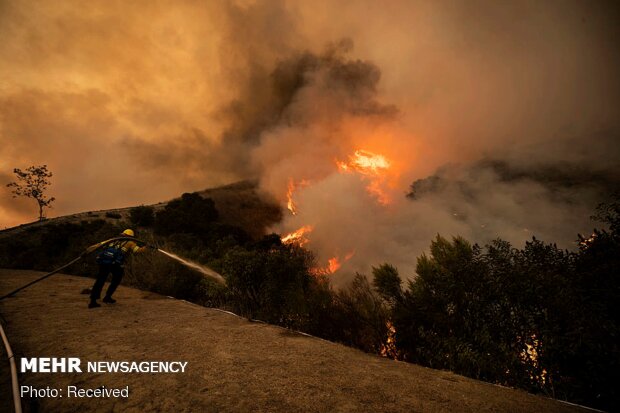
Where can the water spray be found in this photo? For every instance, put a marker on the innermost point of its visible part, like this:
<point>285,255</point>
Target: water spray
<point>201,268</point>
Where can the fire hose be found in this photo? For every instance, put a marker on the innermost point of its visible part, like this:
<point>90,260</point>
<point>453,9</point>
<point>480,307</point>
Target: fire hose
<point>57,270</point>
<point>14,383</point>
<point>9,351</point>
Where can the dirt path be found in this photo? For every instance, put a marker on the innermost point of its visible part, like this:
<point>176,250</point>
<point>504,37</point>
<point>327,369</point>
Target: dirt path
<point>234,365</point>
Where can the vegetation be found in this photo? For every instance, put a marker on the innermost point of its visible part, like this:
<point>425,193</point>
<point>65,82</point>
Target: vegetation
<point>192,214</point>
<point>539,318</point>
<point>142,216</point>
<point>33,183</point>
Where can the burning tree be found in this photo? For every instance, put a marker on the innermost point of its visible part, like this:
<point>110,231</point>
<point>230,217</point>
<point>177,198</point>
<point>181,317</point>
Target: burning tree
<point>33,183</point>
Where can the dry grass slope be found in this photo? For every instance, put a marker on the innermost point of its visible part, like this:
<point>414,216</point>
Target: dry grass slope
<point>234,365</point>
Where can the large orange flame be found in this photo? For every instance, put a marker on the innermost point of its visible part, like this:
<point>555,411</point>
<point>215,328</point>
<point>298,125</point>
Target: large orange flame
<point>366,162</point>
<point>298,237</point>
<point>371,165</point>
<point>373,168</point>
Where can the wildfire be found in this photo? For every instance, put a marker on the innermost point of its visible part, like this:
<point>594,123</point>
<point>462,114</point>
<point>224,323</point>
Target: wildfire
<point>388,349</point>
<point>372,166</point>
<point>290,203</point>
<point>530,356</point>
<point>333,265</point>
<point>298,237</point>
<point>289,197</point>
<point>585,243</point>
<point>365,162</point>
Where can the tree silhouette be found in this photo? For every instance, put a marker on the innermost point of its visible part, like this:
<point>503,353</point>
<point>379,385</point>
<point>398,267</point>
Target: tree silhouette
<point>33,183</point>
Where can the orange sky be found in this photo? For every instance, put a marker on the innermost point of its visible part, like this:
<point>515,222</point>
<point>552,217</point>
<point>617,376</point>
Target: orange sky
<point>137,102</point>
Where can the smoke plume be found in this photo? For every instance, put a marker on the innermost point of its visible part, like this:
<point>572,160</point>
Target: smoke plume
<point>504,116</point>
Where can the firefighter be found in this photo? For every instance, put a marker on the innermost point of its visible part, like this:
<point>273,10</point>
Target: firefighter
<point>110,260</point>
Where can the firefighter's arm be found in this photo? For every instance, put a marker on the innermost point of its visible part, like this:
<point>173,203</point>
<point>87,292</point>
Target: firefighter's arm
<point>136,249</point>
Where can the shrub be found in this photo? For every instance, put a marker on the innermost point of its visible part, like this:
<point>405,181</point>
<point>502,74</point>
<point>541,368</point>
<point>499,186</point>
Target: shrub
<point>387,282</point>
<point>192,214</point>
<point>269,284</point>
<point>142,216</point>
<point>362,316</point>
<point>538,318</point>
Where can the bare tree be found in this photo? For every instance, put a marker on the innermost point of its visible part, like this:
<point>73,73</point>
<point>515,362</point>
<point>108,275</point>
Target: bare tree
<point>33,183</point>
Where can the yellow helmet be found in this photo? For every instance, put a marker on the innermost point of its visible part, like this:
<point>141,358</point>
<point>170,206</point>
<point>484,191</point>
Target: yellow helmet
<point>129,232</point>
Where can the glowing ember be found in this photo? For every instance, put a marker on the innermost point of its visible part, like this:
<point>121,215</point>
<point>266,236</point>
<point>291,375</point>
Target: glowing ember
<point>585,243</point>
<point>388,349</point>
<point>298,237</point>
<point>530,355</point>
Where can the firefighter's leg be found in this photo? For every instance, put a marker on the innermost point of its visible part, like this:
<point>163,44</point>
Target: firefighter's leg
<point>117,276</point>
<point>95,293</point>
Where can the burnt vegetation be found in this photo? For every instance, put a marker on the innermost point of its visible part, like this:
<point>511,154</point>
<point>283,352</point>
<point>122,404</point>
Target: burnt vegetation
<point>538,317</point>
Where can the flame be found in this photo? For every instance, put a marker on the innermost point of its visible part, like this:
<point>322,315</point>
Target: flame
<point>333,265</point>
<point>368,163</point>
<point>585,243</point>
<point>388,349</point>
<point>373,167</point>
<point>291,188</point>
<point>375,189</point>
<point>298,237</point>
<point>289,197</point>
<point>529,355</point>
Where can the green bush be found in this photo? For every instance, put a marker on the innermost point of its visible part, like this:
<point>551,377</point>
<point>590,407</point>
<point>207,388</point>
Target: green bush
<point>269,284</point>
<point>387,282</point>
<point>362,316</point>
<point>538,318</point>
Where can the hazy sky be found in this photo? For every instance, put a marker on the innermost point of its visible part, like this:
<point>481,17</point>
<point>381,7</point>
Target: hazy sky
<point>137,102</point>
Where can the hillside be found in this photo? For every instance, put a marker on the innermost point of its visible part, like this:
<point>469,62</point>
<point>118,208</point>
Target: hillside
<point>240,204</point>
<point>277,282</point>
<point>234,365</point>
